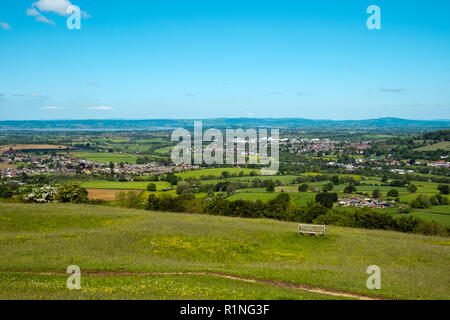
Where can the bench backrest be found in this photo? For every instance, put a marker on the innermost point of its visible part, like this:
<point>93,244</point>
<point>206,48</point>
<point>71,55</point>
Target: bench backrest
<point>312,228</point>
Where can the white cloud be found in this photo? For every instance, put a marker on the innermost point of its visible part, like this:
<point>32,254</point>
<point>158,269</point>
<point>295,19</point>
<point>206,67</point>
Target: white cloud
<point>102,108</point>
<point>39,17</point>
<point>5,26</point>
<point>33,12</point>
<point>56,6</point>
<point>51,108</point>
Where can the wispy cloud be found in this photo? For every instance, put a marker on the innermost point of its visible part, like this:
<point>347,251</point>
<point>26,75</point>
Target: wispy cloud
<point>93,84</point>
<point>5,25</point>
<point>58,7</point>
<point>189,94</point>
<point>392,90</point>
<point>39,17</point>
<point>19,95</point>
<point>51,108</point>
<point>302,93</point>
<point>276,92</point>
<point>38,96</point>
<point>101,108</point>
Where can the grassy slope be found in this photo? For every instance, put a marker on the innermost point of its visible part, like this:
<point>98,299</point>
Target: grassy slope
<point>54,236</point>
<point>444,145</point>
<point>27,286</point>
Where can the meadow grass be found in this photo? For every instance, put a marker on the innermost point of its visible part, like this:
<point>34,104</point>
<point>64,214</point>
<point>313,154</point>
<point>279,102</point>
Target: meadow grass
<point>51,237</point>
<point>149,287</point>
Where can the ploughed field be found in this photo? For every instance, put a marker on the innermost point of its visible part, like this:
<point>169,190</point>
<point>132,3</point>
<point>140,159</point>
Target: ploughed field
<point>136,254</point>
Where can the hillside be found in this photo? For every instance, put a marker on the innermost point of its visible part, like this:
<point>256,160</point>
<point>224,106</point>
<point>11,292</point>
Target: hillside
<point>140,254</point>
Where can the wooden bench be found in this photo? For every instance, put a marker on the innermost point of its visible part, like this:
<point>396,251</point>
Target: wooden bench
<point>314,229</point>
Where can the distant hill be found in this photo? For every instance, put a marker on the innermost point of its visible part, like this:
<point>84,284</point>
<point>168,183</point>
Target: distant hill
<point>282,123</point>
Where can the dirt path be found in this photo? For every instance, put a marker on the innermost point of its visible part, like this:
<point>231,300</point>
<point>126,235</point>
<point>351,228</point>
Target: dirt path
<point>303,287</point>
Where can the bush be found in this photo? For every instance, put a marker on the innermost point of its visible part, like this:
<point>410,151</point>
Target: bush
<point>421,202</point>
<point>376,193</point>
<point>444,188</point>
<point>129,200</point>
<point>5,191</point>
<point>270,187</point>
<point>350,189</point>
<point>40,194</point>
<point>431,228</point>
<point>309,213</point>
<point>393,193</point>
<point>326,199</point>
<point>72,192</point>
<point>412,188</point>
<point>151,187</point>
<point>184,187</point>
<point>303,187</point>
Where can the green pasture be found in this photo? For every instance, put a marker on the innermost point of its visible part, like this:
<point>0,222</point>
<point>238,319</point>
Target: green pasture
<point>50,237</point>
<point>107,157</point>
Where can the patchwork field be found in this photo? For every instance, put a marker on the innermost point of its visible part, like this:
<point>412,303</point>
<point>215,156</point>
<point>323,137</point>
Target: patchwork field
<point>22,147</point>
<point>106,194</point>
<point>118,185</point>
<point>139,254</point>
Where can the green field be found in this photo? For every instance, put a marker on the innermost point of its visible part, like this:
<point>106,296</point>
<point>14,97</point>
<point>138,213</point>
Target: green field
<point>107,157</point>
<point>48,238</point>
<point>214,172</point>
<point>444,145</point>
<point>440,214</point>
<point>129,185</point>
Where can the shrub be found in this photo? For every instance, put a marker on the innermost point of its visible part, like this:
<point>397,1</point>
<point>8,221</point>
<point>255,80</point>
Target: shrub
<point>421,202</point>
<point>270,187</point>
<point>151,187</point>
<point>72,192</point>
<point>303,187</point>
<point>393,193</point>
<point>309,213</point>
<point>326,199</point>
<point>431,228</point>
<point>444,188</point>
<point>129,200</point>
<point>412,188</point>
<point>40,194</point>
<point>376,193</point>
<point>5,191</point>
<point>184,187</point>
<point>350,189</point>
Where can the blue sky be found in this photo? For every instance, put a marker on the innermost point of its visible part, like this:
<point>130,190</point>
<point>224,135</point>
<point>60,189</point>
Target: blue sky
<point>200,59</point>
